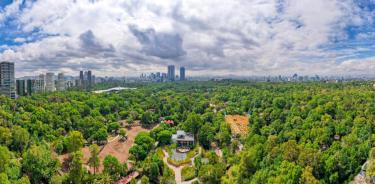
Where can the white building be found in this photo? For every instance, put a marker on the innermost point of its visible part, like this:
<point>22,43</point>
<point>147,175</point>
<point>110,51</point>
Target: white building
<point>60,82</point>
<point>50,82</point>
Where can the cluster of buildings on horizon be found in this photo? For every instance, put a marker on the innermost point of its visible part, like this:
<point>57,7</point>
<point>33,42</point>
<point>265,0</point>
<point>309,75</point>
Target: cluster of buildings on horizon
<point>170,76</point>
<point>26,86</point>
<point>12,87</point>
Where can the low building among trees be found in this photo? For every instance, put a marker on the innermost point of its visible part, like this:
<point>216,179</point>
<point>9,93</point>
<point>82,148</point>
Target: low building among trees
<point>183,139</point>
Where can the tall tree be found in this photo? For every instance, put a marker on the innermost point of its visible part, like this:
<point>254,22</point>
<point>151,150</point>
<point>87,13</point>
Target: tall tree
<point>21,138</point>
<point>38,164</point>
<point>193,123</point>
<point>76,170</point>
<point>113,167</point>
<point>74,141</point>
<point>94,160</point>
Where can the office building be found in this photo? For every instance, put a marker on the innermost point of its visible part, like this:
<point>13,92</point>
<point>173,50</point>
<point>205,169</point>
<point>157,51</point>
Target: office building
<point>89,79</point>
<point>163,77</point>
<point>30,86</point>
<point>7,80</point>
<point>40,84</point>
<point>50,82</point>
<point>81,79</point>
<point>171,73</point>
<point>182,73</point>
<point>60,82</point>
<point>21,87</point>
<point>86,80</point>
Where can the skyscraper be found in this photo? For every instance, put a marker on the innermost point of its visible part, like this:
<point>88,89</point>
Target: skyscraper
<point>86,80</point>
<point>60,82</point>
<point>21,87</point>
<point>182,73</point>
<point>81,79</point>
<point>89,79</point>
<point>7,83</point>
<point>50,82</point>
<point>171,72</point>
<point>30,86</point>
<point>40,85</point>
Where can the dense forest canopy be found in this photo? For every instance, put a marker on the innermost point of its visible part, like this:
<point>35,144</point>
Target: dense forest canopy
<point>298,132</point>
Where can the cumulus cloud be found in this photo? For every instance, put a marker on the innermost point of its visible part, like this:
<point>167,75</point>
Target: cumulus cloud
<point>163,45</point>
<point>258,37</point>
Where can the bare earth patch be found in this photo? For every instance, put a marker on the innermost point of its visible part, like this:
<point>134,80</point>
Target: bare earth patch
<point>238,124</point>
<point>114,147</point>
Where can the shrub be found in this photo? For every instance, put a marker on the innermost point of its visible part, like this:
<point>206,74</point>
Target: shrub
<point>188,173</point>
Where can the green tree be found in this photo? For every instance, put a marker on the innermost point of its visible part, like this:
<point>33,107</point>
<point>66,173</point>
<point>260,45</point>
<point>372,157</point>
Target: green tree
<point>94,160</point>
<point>39,164</point>
<point>112,166</point>
<point>76,171</point>
<point>206,135</point>
<point>287,172</point>
<point>154,171</point>
<point>5,136</point>
<point>113,127</point>
<point>100,135</point>
<point>4,179</point>
<point>147,118</point>
<point>144,180</point>
<point>139,152</point>
<point>123,133</point>
<point>74,141</point>
<point>5,156</point>
<point>307,177</point>
<point>193,123</point>
<point>21,138</point>
<point>211,174</point>
<point>164,137</point>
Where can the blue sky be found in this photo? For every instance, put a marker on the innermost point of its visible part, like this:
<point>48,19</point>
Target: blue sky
<point>218,37</point>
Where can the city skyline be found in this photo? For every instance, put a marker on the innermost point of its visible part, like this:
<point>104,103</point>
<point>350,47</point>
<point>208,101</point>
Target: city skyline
<point>267,37</point>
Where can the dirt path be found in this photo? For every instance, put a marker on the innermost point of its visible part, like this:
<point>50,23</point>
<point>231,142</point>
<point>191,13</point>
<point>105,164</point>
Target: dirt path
<point>177,170</point>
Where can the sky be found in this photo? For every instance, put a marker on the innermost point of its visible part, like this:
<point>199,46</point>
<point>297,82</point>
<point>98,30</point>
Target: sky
<point>210,37</point>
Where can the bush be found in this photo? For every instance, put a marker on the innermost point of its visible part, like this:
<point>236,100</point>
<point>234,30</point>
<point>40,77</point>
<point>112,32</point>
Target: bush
<point>188,173</point>
<point>160,153</point>
<point>179,162</point>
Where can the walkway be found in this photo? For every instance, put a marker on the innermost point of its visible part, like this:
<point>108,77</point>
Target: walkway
<point>177,170</point>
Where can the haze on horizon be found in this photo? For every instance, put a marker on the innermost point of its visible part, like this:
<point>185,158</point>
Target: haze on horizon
<point>211,37</point>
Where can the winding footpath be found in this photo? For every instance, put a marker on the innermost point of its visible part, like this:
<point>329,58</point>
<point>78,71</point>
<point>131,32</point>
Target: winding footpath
<point>177,170</point>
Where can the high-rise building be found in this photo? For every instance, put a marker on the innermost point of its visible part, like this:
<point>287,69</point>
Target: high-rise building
<point>86,80</point>
<point>30,86</point>
<point>171,72</point>
<point>81,79</point>
<point>40,84</point>
<point>21,87</point>
<point>182,73</point>
<point>163,77</point>
<point>50,82</point>
<point>60,82</point>
<point>89,79</point>
<point>7,79</point>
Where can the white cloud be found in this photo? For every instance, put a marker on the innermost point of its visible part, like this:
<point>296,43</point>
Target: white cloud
<point>228,36</point>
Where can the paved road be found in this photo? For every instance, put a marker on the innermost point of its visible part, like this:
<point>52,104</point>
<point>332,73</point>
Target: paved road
<point>177,170</point>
